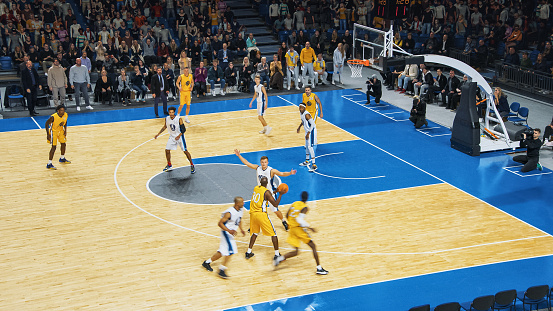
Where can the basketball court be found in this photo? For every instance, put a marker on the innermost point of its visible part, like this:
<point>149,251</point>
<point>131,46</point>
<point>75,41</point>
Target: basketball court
<point>402,218</point>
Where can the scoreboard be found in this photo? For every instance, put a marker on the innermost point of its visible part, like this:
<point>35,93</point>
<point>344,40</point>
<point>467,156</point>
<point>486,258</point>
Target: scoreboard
<point>392,9</point>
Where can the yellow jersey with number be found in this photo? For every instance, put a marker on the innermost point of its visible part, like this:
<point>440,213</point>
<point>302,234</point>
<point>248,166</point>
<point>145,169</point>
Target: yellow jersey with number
<point>258,203</point>
<point>186,83</point>
<point>311,105</point>
<point>59,122</point>
<point>294,212</point>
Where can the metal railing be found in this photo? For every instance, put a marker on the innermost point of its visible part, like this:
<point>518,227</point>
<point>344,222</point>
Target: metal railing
<point>524,79</point>
<point>459,55</point>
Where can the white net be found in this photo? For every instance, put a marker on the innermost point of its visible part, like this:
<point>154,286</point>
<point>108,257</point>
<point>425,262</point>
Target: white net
<point>356,70</point>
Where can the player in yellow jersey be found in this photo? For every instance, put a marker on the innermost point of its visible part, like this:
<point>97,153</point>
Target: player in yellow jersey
<point>259,219</point>
<point>298,232</point>
<point>56,130</point>
<point>312,103</point>
<point>185,83</point>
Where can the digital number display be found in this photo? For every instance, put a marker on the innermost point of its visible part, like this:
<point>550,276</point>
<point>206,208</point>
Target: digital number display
<point>392,9</point>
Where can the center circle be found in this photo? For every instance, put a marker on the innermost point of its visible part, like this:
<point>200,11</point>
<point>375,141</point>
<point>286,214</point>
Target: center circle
<point>213,183</point>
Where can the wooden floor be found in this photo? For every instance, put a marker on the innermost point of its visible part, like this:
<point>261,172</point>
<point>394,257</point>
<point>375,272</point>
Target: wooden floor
<point>72,240</point>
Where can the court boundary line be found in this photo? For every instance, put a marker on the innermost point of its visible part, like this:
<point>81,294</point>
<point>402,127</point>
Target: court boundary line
<point>424,171</point>
<point>371,109</point>
<point>523,176</point>
<point>33,118</point>
<point>392,280</point>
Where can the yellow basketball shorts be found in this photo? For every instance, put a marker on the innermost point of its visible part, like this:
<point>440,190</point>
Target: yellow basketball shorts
<point>298,235</point>
<point>185,98</point>
<point>57,136</point>
<point>261,223</point>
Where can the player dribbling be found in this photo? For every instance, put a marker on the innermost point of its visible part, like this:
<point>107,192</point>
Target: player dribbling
<point>298,232</point>
<point>175,126</point>
<point>229,223</point>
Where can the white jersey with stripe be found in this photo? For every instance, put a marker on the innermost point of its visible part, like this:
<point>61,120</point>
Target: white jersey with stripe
<point>308,125</point>
<point>273,181</point>
<point>173,125</point>
<point>235,217</point>
<point>260,96</point>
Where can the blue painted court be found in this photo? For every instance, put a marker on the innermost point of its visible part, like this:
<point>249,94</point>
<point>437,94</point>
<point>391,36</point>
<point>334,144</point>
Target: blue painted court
<point>388,153</point>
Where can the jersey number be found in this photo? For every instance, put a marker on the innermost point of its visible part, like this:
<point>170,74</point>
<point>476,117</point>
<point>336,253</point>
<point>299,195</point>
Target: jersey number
<point>173,127</point>
<point>294,213</point>
<point>256,197</point>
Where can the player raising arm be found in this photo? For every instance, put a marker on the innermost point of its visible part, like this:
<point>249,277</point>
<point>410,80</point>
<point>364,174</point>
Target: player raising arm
<point>272,175</point>
<point>298,232</point>
<point>262,103</point>
<point>229,222</point>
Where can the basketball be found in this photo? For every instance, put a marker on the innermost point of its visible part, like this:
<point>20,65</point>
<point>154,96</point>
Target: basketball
<point>282,188</point>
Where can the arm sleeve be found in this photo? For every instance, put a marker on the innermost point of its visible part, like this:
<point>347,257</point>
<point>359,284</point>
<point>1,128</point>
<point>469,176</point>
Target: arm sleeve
<point>301,220</point>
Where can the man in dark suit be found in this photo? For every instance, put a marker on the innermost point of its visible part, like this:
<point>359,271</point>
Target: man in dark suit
<point>418,113</point>
<point>445,46</point>
<point>225,57</point>
<point>374,88</point>
<point>440,82</point>
<point>160,89</point>
<point>450,89</point>
<point>31,84</point>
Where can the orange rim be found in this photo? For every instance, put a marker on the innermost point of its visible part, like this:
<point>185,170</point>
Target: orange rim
<point>359,62</point>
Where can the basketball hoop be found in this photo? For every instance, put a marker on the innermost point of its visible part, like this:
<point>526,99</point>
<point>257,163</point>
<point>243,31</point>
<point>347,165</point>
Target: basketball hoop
<point>356,66</point>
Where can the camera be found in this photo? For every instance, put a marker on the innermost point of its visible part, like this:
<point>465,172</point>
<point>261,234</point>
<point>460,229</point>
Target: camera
<point>529,132</point>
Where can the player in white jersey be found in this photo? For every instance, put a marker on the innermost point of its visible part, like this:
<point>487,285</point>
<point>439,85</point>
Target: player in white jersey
<point>175,127</point>
<point>310,138</point>
<point>260,93</point>
<point>272,176</point>
<point>230,221</point>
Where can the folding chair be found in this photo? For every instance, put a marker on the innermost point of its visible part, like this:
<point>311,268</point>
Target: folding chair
<point>420,308</point>
<point>522,116</point>
<point>534,296</point>
<point>505,300</point>
<point>450,306</point>
<point>483,303</point>
<point>514,109</point>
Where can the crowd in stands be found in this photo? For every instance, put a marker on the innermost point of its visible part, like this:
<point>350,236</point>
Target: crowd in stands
<point>205,36</point>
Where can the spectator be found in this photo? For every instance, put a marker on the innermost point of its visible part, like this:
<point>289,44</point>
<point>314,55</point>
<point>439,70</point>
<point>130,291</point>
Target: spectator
<point>512,58</point>
<point>160,90</point>
<point>299,19</point>
<point>307,56</point>
<point>409,73</point>
<point>231,75</point>
<point>362,13</point>
<point>476,22</point>
<point>138,84</point>
<point>251,43</point>
<point>164,35</point>
<point>241,46</point>
<point>501,103</point>
<point>445,45</point>
<point>338,59</point>
<point>79,79</point>
<point>450,90</point>
<point>547,133</point>
<point>288,23</point>
<point>317,42</point>
<point>431,44</point>
<point>469,46</point>
<point>57,82</point>
<point>418,113</point>
<point>427,18</point>
<point>149,53</point>
<point>136,53</point>
<point>526,62</point>
<point>461,26</point>
<point>104,88</point>
<point>277,78</point>
<point>225,56</point>
<point>124,88</point>
<point>422,86</point>
<point>274,12</point>
<point>246,83</point>
<point>46,58</point>
<point>283,8</point>
<point>30,82</point>
<point>416,25</point>
<point>86,62</point>
<point>293,40</point>
<point>162,52</point>
<point>342,16</point>
<point>319,67</point>
<point>515,38</point>
<point>196,51</point>
<point>263,71</point>
<point>256,59</point>
<point>100,55</point>
<point>540,66</point>
<point>292,58</point>
<point>440,83</point>
<point>409,43</point>
<point>169,75</point>
<point>215,76</point>
<point>200,76</point>
<point>184,62</point>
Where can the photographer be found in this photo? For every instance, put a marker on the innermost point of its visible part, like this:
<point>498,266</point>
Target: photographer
<point>532,143</point>
<point>374,88</point>
<point>418,113</point>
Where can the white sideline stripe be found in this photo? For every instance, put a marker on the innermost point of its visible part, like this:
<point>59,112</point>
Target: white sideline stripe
<point>395,112</point>
<point>348,178</point>
<point>420,169</point>
<point>391,280</point>
<point>32,118</point>
<point>369,108</point>
<point>324,155</point>
<point>520,175</point>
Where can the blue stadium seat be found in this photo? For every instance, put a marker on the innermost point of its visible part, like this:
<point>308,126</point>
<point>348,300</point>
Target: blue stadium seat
<point>514,109</point>
<point>522,116</point>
